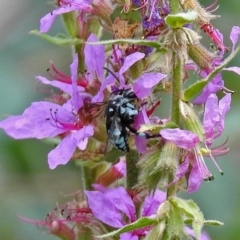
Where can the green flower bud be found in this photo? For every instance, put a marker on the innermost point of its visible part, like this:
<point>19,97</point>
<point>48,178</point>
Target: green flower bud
<point>191,120</point>
<point>200,55</point>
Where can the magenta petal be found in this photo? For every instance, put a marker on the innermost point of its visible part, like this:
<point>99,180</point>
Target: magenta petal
<point>195,179</point>
<point>122,201</point>
<point>182,138</point>
<point>233,69</point>
<point>129,236</point>
<point>65,149</point>
<point>144,84</point>
<point>130,60</point>
<point>62,153</point>
<point>211,115</point>
<point>224,107</point>
<point>94,58</point>
<point>47,21</point>
<point>15,127</point>
<point>100,96</point>
<point>67,88</point>
<point>103,209</point>
<point>234,35</point>
<point>33,122</point>
<point>82,136</point>
<point>77,100</point>
<point>152,203</point>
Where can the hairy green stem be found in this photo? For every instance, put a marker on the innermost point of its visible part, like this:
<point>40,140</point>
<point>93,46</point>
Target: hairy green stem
<point>175,114</point>
<point>87,180</point>
<point>132,170</point>
<point>176,89</point>
<point>81,60</point>
<point>174,6</point>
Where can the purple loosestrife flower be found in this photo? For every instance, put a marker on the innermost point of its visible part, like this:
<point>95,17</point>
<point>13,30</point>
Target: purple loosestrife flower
<point>45,119</point>
<point>111,205</point>
<point>213,123</point>
<point>64,7</point>
<point>217,83</point>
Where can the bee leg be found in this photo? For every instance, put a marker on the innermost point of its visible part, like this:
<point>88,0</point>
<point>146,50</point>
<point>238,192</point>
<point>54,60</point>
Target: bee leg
<point>142,134</point>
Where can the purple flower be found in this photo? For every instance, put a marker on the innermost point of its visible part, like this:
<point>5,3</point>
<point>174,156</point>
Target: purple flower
<point>182,138</point>
<point>213,123</point>
<point>65,7</point>
<point>45,119</point>
<point>111,205</point>
<point>214,116</point>
<point>217,82</point>
<point>143,85</point>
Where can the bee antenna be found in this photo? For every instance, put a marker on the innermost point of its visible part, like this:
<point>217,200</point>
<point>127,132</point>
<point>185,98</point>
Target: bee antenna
<point>108,70</point>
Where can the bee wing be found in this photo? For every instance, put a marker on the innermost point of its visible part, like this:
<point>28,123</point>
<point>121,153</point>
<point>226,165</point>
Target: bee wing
<point>97,109</point>
<point>113,132</point>
<point>90,111</point>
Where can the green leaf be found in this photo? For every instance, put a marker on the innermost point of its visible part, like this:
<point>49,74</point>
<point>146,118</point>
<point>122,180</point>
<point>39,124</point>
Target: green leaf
<point>144,42</point>
<point>193,90</point>
<point>59,39</point>
<point>191,209</point>
<point>213,223</point>
<point>175,223</point>
<point>140,223</point>
<point>180,19</point>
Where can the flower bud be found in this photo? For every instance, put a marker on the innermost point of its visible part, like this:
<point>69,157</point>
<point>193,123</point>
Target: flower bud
<point>201,56</point>
<point>191,120</point>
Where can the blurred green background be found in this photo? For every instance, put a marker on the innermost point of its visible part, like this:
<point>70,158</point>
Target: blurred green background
<point>28,187</point>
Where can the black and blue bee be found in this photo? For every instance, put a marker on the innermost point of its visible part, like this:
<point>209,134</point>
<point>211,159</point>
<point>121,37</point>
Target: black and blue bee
<point>120,112</point>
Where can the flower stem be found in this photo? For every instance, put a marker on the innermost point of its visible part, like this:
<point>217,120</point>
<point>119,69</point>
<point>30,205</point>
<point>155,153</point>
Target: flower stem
<point>174,6</point>
<point>132,170</point>
<point>176,89</point>
<point>175,114</point>
<point>87,180</point>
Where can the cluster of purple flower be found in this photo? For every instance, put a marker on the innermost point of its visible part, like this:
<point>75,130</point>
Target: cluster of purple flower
<point>153,48</point>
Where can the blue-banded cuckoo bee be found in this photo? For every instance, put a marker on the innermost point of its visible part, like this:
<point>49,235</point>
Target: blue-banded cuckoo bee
<point>120,112</point>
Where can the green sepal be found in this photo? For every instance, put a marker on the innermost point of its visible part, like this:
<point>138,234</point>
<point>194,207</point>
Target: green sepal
<point>146,163</point>
<point>132,15</point>
<point>144,42</point>
<point>194,89</point>
<point>140,223</point>
<point>70,23</point>
<point>180,19</point>
<point>213,223</point>
<point>192,211</point>
<point>59,39</point>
